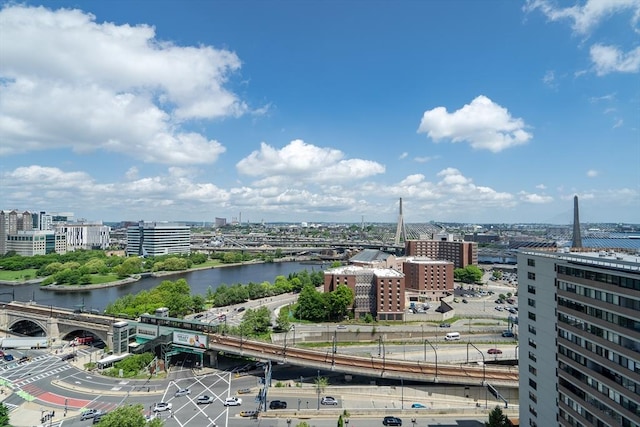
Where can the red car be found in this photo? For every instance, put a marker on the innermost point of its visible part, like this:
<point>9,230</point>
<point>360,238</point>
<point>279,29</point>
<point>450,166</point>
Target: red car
<point>494,351</point>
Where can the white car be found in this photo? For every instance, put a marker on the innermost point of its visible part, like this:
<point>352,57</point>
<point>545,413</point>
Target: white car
<point>328,400</point>
<point>233,401</point>
<point>183,392</point>
<point>204,400</point>
<point>162,406</point>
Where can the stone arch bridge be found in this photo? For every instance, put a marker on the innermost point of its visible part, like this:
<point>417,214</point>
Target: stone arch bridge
<point>57,323</point>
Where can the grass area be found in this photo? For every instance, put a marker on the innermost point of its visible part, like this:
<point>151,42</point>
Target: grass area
<point>17,276</point>
<point>97,279</point>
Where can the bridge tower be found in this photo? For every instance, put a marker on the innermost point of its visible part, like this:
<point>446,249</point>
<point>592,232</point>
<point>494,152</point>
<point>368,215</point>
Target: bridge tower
<point>577,238</point>
<point>401,231</point>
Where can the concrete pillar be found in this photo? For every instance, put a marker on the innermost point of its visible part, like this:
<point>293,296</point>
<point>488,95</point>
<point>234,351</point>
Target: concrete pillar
<point>53,331</point>
<point>213,358</point>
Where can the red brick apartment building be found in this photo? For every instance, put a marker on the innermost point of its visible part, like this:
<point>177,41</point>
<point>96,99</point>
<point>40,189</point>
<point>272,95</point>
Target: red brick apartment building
<point>430,279</point>
<point>460,253</point>
<point>379,291</point>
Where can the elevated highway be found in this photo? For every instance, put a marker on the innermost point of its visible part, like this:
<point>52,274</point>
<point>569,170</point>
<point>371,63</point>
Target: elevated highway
<point>369,366</point>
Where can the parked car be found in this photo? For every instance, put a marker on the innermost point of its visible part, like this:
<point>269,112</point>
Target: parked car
<point>89,413</point>
<point>162,406</point>
<point>182,392</point>
<point>508,334</point>
<point>240,309</point>
<point>465,301</point>
<point>232,401</point>
<point>243,391</point>
<point>8,357</point>
<point>204,400</point>
<point>328,400</point>
<point>494,351</point>
<point>417,405</point>
<point>278,404</point>
<point>392,421</point>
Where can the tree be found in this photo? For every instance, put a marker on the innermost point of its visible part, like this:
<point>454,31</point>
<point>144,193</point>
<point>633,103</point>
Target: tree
<point>497,418</point>
<point>283,322</point>
<point>303,424</point>
<point>128,416</point>
<point>4,415</point>
<point>469,274</point>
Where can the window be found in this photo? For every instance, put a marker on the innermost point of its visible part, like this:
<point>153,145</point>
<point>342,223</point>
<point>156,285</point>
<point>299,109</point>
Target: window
<point>531,275</point>
<point>533,384</point>
<point>531,302</point>
<point>531,289</point>
<point>532,316</point>
<point>531,262</point>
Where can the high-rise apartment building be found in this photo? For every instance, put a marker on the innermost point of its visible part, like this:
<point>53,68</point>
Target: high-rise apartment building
<point>154,239</point>
<point>460,253</point>
<point>579,338</point>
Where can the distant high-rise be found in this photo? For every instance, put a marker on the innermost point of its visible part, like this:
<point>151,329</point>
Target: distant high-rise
<point>577,238</point>
<point>401,231</point>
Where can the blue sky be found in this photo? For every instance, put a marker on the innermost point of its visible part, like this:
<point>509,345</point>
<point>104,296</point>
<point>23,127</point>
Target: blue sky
<point>471,111</point>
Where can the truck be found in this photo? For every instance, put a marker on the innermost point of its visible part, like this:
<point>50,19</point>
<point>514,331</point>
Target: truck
<point>24,342</point>
<point>82,341</point>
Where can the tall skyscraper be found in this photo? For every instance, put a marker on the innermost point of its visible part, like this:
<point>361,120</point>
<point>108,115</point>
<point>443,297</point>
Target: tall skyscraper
<point>577,237</point>
<point>579,338</point>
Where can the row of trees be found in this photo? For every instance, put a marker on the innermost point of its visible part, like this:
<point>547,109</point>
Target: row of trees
<point>322,306</point>
<point>235,294</point>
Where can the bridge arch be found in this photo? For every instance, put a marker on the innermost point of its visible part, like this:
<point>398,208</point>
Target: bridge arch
<point>37,322</point>
<point>70,332</point>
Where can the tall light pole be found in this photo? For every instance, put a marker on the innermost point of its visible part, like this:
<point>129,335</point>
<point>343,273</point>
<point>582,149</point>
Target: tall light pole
<point>293,327</point>
<point>318,388</point>
<point>426,341</point>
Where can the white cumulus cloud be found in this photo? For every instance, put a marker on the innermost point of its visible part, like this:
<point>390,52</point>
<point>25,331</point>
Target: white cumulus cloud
<point>301,162</point>
<point>482,123</point>
<point>610,59</point>
<point>68,81</point>
<point>584,17</point>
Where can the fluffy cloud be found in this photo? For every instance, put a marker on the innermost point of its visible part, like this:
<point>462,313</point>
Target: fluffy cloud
<point>585,17</point>
<point>106,86</point>
<point>592,173</point>
<point>300,162</point>
<point>535,198</point>
<point>483,123</point>
<point>609,59</point>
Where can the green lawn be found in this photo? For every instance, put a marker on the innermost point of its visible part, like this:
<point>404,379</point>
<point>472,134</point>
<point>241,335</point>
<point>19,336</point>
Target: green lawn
<point>17,276</point>
<point>103,278</point>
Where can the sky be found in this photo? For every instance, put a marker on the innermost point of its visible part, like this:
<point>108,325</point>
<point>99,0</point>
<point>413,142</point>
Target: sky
<point>494,111</point>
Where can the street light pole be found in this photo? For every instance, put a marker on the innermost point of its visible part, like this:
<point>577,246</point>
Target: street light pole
<point>426,341</point>
<point>318,388</point>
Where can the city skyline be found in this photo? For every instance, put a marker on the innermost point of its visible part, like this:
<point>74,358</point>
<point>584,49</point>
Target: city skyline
<point>477,112</point>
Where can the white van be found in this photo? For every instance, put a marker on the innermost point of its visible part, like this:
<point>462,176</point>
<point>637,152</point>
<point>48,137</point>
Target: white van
<point>452,336</point>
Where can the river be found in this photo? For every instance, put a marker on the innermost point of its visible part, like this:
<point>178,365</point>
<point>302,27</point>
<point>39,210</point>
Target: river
<point>199,281</point>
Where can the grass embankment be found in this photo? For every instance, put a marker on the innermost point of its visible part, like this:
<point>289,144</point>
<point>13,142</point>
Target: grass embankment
<point>19,275</point>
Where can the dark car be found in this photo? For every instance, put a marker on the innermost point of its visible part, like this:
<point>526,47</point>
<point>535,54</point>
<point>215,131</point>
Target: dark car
<point>277,404</point>
<point>445,325</point>
<point>507,334</point>
<point>8,357</point>
<point>392,421</point>
<point>69,356</point>
<point>98,417</point>
<point>240,309</point>
<point>494,351</point>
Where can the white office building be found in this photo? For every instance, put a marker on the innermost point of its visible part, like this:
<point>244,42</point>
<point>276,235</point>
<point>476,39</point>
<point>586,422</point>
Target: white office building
<point>579,339</point>
<point>155,239</point>
<point>84,235</point>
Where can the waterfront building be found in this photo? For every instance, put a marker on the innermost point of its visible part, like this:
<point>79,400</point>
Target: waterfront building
<point>36,242</point>
<point>154,239</point>
<point>444,247</point>
<point>579,338</point>
<point>85,235</point>
<point>378,291</point>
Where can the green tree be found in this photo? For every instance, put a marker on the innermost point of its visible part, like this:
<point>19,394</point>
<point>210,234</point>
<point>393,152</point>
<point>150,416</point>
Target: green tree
<point>469,274</point>
<point>128,416</point>
<point>303,424</point>
<point>255,322</point>
<point>497,418</point>
<point>339,302</point>
<point>497,274</point>
<point>4,415</point>
<point>283,321</point>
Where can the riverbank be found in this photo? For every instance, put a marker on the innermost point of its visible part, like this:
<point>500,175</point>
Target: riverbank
<point>82,288</point>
